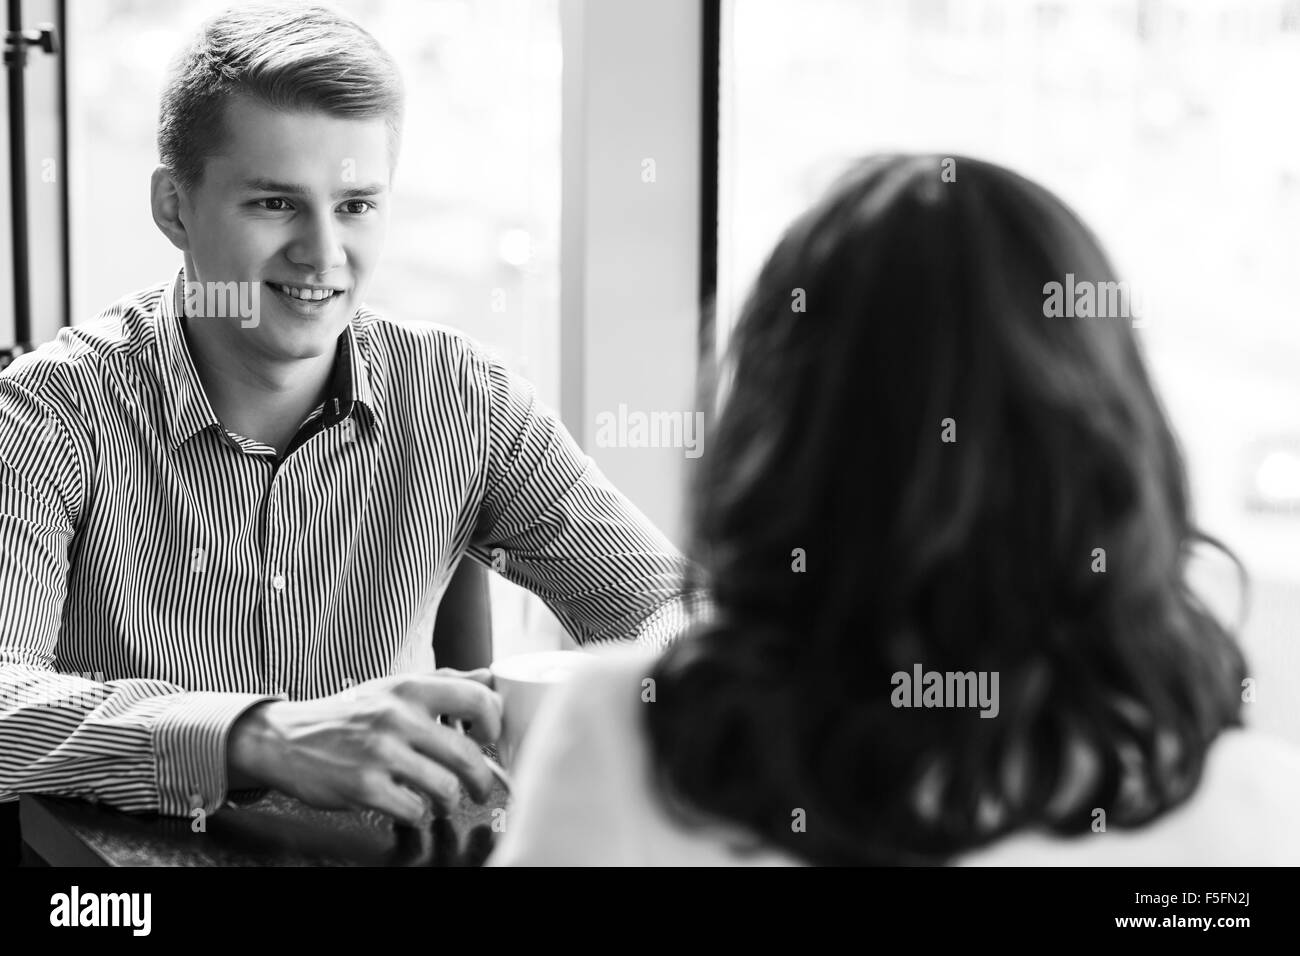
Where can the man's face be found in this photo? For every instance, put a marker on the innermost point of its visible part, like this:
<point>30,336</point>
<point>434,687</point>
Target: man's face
<point>293,199</point>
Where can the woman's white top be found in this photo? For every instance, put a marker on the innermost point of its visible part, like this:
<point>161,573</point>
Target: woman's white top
<point>583,796</point>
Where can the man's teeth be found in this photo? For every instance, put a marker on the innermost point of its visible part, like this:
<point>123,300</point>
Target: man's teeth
<point>304,293</point>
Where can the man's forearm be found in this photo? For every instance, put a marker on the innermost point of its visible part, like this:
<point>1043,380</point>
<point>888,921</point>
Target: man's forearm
<point>151,747</point>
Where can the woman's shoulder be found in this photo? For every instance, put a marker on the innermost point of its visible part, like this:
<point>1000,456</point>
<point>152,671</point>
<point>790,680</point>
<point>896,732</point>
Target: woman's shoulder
<point>613,674</point>
<point>1243,813</point>
<point>586,792</point>
<point>621,689</point>
<point>575,800</point>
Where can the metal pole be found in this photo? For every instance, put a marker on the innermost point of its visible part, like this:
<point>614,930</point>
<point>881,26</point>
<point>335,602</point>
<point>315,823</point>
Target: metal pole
<point>16,62</point>
<point>65,174</point>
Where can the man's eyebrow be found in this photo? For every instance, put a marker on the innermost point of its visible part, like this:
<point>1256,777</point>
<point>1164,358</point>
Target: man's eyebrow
<point>263,185</point>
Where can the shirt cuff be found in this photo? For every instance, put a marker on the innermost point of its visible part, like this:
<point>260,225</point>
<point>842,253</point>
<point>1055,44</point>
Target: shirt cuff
<point>189,744</point>
<point>674,620</point>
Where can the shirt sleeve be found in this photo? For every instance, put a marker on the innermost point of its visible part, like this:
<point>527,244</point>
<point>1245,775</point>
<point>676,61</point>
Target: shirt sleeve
<point>139,745</point>
<point>552,522</point>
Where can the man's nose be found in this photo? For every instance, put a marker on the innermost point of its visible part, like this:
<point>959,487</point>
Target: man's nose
<point>318,246</point>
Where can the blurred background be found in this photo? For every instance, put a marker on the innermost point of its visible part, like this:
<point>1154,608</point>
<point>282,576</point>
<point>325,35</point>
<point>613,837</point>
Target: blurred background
<point>523,215</point>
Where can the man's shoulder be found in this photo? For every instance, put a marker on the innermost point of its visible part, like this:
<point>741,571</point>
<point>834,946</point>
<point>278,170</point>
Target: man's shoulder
<point>416,340</point>
<point>77,355</point>
<point>416,355</point>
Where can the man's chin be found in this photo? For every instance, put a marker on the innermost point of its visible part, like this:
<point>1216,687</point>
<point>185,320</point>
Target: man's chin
<point>289,338</point>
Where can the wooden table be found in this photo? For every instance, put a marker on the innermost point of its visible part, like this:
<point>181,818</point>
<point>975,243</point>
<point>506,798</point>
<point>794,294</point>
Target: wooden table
<point>276,831</point>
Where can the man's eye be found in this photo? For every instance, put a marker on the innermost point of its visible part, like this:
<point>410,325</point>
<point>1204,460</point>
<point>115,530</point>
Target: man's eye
<point>365,204</point>
<point>274,199</point>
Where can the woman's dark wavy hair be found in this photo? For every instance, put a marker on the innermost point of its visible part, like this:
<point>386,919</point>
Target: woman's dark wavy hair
<point>924,301</point>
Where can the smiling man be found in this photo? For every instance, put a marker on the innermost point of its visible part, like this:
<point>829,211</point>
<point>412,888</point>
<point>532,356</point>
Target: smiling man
<point>301,244</point>
<point>223,538</point>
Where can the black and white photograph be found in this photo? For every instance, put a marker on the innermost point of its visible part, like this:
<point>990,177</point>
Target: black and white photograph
<point>659,434</point>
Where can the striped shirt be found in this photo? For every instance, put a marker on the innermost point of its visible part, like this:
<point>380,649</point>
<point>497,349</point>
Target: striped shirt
<point>161,574</point>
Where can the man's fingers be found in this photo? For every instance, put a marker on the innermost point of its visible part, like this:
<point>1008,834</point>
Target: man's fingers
<point>400,802</point>
<point>455,752</point>
<point>433,776</point>
<point>468,700</point>
<point>481,674</point>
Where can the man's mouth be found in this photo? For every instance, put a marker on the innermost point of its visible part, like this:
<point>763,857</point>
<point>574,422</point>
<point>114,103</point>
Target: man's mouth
<point>305,292</point>
<point>306,300</point>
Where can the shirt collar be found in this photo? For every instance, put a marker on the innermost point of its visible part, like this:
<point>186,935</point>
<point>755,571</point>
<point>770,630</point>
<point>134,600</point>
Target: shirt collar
<point>187,407</point>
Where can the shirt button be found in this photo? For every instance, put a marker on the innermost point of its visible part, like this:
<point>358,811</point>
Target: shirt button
<point>277,582</point>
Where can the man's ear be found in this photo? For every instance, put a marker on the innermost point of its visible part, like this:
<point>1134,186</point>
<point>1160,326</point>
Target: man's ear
<point>165,201</point>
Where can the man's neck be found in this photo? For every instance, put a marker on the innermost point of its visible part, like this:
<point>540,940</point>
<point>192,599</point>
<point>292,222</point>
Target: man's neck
<point>263,401</point>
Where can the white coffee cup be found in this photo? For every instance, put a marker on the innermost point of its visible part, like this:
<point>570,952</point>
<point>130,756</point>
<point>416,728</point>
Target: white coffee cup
<point>524,681</point>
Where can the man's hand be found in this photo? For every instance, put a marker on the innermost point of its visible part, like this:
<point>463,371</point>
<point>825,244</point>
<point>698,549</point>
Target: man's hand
<point>377,746</point>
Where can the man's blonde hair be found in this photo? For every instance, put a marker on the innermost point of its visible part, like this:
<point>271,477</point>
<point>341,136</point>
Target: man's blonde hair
<point>286,55</point>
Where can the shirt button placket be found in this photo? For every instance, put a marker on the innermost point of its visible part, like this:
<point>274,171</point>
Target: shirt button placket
<point>276,578</point>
